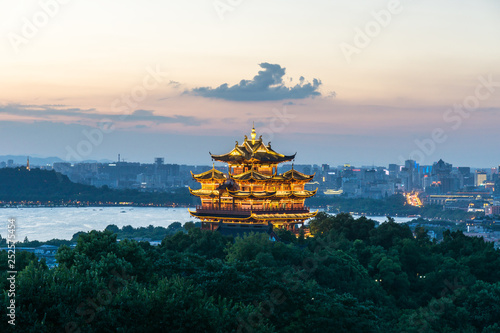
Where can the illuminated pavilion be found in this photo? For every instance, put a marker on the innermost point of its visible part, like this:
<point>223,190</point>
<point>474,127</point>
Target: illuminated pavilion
<point>252,194</point>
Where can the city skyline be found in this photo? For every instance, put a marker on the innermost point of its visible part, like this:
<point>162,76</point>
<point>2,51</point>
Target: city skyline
<point>372,82</point>
<point>44,162</point>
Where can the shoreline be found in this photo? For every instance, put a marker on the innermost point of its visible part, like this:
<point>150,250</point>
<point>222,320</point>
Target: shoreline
<point>109,205</point>
<point>93,205</point>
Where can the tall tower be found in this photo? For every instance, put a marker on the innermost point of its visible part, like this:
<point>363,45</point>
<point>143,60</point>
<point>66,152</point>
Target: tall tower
<point>253,193</point>
<point>28,164</point>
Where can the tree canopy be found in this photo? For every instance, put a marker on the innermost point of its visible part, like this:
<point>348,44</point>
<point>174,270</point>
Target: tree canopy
<point>353,276</point>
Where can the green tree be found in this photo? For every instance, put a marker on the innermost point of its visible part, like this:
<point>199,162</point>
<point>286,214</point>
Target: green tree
<point>321,223</point>
<point>389,233</point>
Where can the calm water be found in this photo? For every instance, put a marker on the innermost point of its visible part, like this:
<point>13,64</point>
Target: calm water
<point>48,223</point>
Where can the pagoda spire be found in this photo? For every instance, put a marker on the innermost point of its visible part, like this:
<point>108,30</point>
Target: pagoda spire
<point>253,135</point>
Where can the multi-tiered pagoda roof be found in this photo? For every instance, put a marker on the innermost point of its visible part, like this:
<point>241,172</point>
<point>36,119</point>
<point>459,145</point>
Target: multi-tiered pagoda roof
<point>252,192</point>
<point>251,152</point>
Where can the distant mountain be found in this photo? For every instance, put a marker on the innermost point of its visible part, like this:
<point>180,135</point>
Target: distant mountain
<point>21,159</point>
<point>37,160</point>
<point>20,184</point>
<point>95,161</point>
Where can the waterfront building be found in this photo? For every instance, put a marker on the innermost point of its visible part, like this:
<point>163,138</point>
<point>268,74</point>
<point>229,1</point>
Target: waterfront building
<point>252,193</point>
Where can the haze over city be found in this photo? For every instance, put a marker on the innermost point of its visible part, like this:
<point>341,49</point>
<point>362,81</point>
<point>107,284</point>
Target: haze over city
<point>366,82</point>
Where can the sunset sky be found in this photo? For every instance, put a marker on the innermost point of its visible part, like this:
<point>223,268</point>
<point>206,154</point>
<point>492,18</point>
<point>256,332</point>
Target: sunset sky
<point>361,82</point>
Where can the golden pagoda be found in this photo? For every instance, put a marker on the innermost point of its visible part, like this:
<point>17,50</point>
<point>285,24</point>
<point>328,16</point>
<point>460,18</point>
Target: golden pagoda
<point>252,194</point>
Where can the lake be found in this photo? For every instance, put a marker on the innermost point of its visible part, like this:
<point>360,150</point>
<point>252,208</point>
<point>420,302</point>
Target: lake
<point>63,222</point>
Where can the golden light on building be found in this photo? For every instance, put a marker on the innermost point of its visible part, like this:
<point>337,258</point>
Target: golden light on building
<point>253,193</point>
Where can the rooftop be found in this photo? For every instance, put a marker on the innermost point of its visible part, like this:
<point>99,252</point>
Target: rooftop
<point>252,151</point>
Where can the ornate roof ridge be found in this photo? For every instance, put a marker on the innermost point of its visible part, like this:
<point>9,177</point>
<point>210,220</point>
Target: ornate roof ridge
<point>251,172</point>
<point>292,171</point>
<point>211,172</point>
<point>249,150</point>
<point>203,192</point>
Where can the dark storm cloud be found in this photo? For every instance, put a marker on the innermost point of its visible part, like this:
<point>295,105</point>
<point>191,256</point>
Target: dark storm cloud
<point>267,85</point>
<point>51,112</point>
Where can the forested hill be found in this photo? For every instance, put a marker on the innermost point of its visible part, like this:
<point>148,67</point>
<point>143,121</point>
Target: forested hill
<point>351,277</point>
<point>20,184</point>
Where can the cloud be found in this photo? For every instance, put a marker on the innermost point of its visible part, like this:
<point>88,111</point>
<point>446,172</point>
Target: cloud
<point>148,115</point>
<point>53,112</point>
<point>174,84</point>
<point>44,111</point>
<point>331,94</point>
<point>267,85</point>
<point>142,113</point>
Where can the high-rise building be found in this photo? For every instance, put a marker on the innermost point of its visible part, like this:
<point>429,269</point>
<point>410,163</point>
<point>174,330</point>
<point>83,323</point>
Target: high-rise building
<point>441,168</point>
<point>464,171</point>
<point>480,177</point>
<point>465,177</point>
<point>409,174</point>
<point>393,170</point>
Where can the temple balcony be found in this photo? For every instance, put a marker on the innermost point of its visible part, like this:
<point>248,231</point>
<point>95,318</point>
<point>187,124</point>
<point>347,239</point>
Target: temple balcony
<point>248,212</point>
